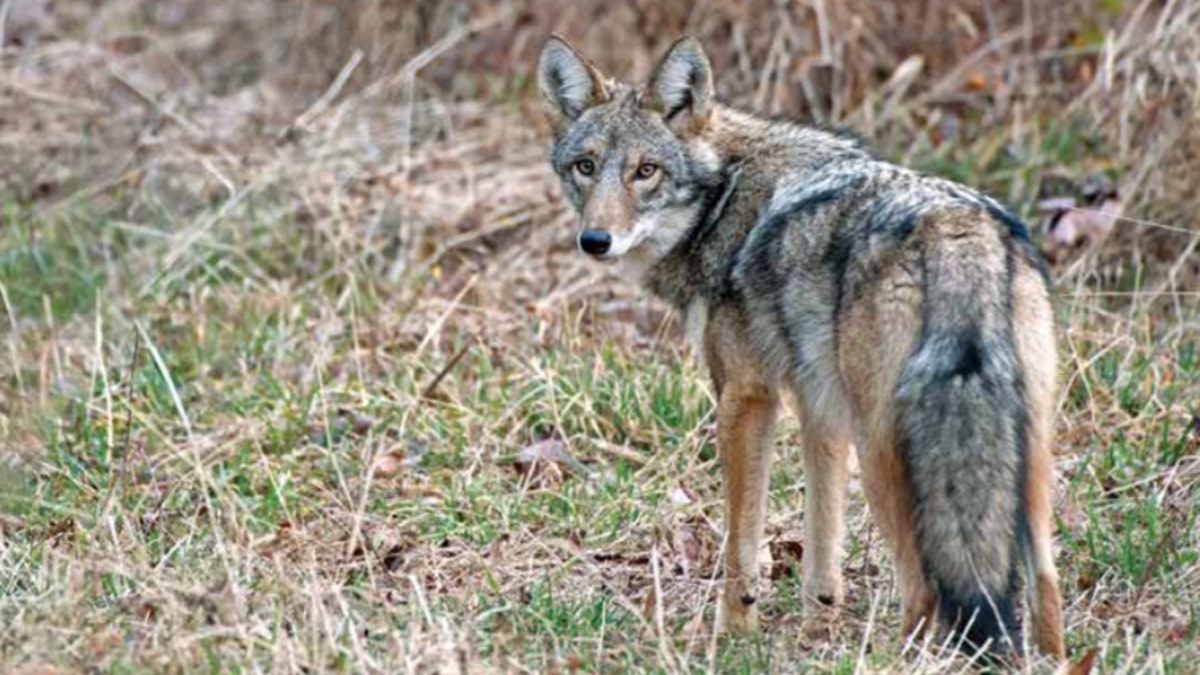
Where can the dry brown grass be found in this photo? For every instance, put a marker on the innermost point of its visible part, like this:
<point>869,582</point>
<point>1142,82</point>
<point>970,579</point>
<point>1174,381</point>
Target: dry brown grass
<point>300,370</point>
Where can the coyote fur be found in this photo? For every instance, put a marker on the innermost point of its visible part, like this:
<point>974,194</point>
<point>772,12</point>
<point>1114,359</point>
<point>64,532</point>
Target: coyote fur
<point>902,314</point>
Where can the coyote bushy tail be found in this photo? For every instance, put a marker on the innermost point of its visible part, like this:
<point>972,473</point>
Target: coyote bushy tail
<point>961,425</point>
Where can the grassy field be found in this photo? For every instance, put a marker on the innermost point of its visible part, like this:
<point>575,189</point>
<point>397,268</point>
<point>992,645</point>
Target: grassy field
<point>311,379</point>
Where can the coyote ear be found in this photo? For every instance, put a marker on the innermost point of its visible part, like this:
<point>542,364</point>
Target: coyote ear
<point>569,83</point>
<point>681,87</point>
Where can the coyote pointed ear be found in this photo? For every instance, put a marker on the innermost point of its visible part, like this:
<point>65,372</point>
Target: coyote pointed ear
<point>681,87</point>
<point>569,83</point>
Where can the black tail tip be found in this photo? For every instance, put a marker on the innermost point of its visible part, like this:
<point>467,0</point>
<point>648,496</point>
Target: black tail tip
<point>982,623</point>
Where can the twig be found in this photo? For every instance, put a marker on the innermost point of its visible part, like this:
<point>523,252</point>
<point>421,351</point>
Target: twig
<point>322,103</point>
<point>1147,223</point>
<point>620,452</point>
<point>462,351</point>
<point>137,351</point>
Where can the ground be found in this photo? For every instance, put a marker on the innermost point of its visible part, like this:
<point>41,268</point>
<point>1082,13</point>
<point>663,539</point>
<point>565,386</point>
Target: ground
<point>316,382</point>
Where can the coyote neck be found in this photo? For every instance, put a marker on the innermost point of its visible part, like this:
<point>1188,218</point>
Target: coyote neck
<point>754,155</point>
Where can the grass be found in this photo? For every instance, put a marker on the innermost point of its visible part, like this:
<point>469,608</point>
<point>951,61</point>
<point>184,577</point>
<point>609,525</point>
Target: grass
<point>234,478</point>
<point>345,400</point>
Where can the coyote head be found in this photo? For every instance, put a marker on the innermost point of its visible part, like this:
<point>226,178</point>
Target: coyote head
<point>633,161</point>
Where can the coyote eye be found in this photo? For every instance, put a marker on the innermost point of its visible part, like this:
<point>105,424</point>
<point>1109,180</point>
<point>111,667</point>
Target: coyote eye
<point>646,170</point>
<point>585,167</point>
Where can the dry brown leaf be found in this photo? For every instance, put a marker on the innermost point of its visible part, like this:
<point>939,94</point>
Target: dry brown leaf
<point>649,607</point>
<point>696,626</point>
<point>60,527</point>
<point>1081,667</point>
<point>421,491</point>
<point>679,496</point>
<point>687,548</point>
<point>275,542</point>
<point>1080,220</point>
<point>389,463</point>
<point>546,463</point>
<point>787,552</point>
<point>343,423</point>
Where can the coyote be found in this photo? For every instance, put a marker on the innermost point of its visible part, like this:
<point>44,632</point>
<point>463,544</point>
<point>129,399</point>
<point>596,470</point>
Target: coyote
<point>902,314</point>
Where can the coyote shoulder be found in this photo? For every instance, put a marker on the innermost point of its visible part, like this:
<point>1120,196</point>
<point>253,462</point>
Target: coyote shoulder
<point>906,315</point>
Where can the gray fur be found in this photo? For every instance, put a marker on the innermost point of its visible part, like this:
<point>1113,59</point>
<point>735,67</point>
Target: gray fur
<point>681,87</point>
<point>568,82</point>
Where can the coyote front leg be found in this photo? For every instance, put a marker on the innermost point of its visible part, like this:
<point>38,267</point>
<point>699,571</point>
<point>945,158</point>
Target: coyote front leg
<point>745,420</point>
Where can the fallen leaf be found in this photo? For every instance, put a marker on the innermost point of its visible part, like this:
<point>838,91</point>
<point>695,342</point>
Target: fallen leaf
<point>687,548</point>
<point>60,527</point>
<point>621,452</point>
<point>147,610</point>
<point>649,605</point>
<point>787,553</point>
<point>342,424</point>
<point>362,423</point>
<point>1104,610</point>
<point>1081,667</point>
<point>422,491</point>
<point>393,557</point>
<point>124,45</point>
<point>679,496</point>
<point>388,463</point>
<point>696,626</point>
<point>9,523</point>
<point>1080,220</point>
<point>1084,582</point>
<point>275,542</point>
<point>547,463</point>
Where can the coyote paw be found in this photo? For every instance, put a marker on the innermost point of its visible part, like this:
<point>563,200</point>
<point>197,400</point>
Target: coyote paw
<point>822,612</point>
<point>823,594</point>
<point>741,615</point>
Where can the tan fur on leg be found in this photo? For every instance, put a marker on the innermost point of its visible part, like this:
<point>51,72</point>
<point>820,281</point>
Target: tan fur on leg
<point>1048,617</point>
<point>1035,346</point>
<point>825,474</point>
<point>887,495</point>
<point>745,421</point>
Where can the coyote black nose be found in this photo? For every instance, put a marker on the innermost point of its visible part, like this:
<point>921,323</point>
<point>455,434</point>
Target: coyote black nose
<point>595,242</point>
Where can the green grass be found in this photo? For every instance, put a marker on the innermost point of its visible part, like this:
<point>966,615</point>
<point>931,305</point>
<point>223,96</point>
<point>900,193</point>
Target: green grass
<point>266,532</point>
<point>46,273</point>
